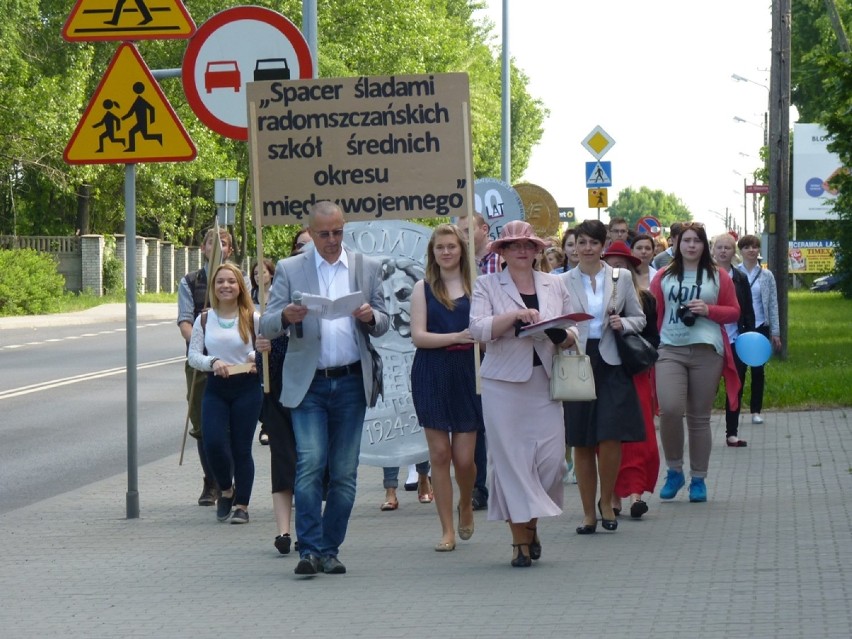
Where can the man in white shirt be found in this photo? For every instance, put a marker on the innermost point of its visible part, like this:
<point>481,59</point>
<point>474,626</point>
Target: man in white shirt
<point>327,379</point>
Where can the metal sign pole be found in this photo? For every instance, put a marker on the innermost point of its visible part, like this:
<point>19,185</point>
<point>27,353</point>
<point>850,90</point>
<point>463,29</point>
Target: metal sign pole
<point>130,322</point>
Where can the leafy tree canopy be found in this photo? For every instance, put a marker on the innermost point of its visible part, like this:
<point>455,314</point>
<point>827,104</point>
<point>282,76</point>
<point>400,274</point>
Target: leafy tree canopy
<point>45,83</point>
<point>633,205</point>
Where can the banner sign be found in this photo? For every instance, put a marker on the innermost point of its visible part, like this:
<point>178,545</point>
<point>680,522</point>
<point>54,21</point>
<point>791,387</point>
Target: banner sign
<point>811,257</point>
<point>813,166</point>
<point>381,147</point>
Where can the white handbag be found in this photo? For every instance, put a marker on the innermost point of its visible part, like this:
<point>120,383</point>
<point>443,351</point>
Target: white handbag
<point>571,377</point>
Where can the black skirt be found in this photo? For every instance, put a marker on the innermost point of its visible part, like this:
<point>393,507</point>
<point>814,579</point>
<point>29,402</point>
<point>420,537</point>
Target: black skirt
<point>615,414</point>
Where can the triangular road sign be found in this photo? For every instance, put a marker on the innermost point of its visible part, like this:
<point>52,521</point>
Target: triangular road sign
<point>93,20</point>
<point>129,119</point>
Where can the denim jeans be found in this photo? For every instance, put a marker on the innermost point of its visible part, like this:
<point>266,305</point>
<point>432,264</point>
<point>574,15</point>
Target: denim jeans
<point>391,474</point>
<point>327,426</point>
<point>229,413</point>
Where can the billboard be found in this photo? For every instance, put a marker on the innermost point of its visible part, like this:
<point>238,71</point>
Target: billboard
<point>813,166</point>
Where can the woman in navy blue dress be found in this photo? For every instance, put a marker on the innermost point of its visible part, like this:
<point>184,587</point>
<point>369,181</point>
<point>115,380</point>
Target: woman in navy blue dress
<point>443,377</point>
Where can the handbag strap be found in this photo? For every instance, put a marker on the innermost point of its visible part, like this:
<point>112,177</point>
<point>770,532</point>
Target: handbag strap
<point>615,273</point>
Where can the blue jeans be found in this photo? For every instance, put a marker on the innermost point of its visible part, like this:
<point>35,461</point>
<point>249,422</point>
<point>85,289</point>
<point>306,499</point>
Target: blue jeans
<point>391,474</point>
<point>327,426</point>
<point>229,412</point>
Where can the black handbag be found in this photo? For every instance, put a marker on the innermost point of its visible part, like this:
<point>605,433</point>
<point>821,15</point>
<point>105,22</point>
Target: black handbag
<point>637,354</point>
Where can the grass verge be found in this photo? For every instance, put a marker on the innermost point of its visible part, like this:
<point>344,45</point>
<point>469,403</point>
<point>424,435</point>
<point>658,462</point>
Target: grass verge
<point>818,368</point>
<point>72,302</point>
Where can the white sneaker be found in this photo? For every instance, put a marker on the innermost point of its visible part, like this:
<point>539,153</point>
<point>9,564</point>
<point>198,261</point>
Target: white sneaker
<point>756,418</point>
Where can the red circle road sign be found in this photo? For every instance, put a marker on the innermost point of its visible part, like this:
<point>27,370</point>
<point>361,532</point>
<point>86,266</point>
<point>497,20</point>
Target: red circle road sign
<point>649,225</point>
<point>232,48</point>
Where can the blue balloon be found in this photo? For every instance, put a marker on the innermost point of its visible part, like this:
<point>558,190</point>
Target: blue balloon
<point>753,348</point>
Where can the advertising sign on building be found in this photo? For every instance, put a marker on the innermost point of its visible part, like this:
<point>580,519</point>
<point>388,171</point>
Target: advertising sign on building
<point>813,256</point>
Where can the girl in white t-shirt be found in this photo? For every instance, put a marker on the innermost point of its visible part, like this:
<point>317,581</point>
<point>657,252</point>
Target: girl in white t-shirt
<point>223,344</point>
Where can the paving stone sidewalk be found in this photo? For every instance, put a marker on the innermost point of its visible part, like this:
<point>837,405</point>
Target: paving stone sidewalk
<point>769,555</point>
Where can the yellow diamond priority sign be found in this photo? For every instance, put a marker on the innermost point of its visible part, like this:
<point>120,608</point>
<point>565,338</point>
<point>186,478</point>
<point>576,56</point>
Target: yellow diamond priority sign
<point>598,142</point>
<point>129,119</point>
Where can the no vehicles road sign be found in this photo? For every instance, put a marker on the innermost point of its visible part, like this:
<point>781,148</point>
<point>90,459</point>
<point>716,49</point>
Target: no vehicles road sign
<point>129,119</point>
<point>96,20</point>
<point>233,48</point>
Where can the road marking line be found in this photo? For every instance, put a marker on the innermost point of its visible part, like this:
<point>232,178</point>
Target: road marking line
<point>84,377</point>
<point>61,339</point>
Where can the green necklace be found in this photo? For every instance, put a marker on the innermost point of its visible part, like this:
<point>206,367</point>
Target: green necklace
<point>225,324</point>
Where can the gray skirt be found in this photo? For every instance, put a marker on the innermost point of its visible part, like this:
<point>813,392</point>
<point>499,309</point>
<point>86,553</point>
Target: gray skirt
<point>526,448</point>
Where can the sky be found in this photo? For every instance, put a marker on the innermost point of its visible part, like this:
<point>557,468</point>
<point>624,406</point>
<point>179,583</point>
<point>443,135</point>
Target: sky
<point>656,76</point>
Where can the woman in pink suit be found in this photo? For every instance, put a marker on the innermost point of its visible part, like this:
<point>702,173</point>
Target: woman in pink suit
<point>526,444</point>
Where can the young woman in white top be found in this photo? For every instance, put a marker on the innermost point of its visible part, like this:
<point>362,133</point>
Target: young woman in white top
<point>223,337</point>
<point>764,295</point>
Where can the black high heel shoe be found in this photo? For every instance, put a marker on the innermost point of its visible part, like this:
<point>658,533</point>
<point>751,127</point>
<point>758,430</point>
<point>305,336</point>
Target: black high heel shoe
<point>522,560</point>
<point>608,524</point>
<point>588,529</point>
<point>535,544</point>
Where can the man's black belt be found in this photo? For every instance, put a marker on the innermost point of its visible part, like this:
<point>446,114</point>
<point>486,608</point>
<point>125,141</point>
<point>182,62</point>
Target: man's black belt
<point>340,371</point>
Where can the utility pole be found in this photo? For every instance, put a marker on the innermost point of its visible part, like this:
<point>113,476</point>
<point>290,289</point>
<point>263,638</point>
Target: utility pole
<point>778,221</point>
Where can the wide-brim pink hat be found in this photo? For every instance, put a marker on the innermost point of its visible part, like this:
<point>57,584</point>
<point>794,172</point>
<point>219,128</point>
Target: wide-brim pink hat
<point>621,249</point>
<point>514,231</point>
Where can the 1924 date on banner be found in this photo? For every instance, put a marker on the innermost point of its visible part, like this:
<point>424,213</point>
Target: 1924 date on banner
<point>382,147</point>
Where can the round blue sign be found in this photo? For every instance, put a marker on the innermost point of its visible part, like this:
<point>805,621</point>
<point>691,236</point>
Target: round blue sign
<point>814,188</point>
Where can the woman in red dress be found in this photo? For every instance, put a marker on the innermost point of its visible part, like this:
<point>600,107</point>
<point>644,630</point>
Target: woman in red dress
<point>640,461</point>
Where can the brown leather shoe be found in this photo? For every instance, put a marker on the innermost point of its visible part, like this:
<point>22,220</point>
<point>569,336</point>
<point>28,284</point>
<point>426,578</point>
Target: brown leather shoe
<point>209,494</point>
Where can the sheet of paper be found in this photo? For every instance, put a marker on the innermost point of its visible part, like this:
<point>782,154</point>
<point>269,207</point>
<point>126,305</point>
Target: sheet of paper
<point>333,309</point>
<point>563,321</point>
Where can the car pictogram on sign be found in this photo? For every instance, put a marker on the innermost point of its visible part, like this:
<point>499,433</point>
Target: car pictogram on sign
<point>222,74</point>
<point>271,69</point>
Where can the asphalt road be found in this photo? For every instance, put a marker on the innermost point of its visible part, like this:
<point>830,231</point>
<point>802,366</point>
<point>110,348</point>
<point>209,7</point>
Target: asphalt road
<point>63,405</point>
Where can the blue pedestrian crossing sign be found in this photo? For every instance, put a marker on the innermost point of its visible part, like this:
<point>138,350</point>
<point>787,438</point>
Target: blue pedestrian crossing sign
<point>598,174</point>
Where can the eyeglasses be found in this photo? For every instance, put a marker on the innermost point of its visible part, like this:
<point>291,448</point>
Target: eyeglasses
<point>689,225</point>
<point>619,231</point>
<point>336,233</point>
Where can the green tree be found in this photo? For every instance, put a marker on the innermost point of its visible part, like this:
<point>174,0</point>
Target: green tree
<point>822,92</point>
<point>45,83</point>
<point>633,205</point>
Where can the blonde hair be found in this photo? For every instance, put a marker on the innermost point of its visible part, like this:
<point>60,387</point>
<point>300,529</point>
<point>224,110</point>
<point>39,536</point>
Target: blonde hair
<point>433,269</point>
<point>245,307</point>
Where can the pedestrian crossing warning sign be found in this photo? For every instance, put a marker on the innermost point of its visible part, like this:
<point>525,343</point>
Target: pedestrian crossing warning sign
<point>129,119</point>
<point>94,20</point>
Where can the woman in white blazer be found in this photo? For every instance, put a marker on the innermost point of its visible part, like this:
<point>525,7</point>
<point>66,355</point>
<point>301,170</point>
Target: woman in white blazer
<point>523,426</point>
<point>615,416</point>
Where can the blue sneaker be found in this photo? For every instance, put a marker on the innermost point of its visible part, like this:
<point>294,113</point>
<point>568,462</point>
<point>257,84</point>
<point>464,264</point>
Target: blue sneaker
<point>674,482</point>
<point>697,489</point>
